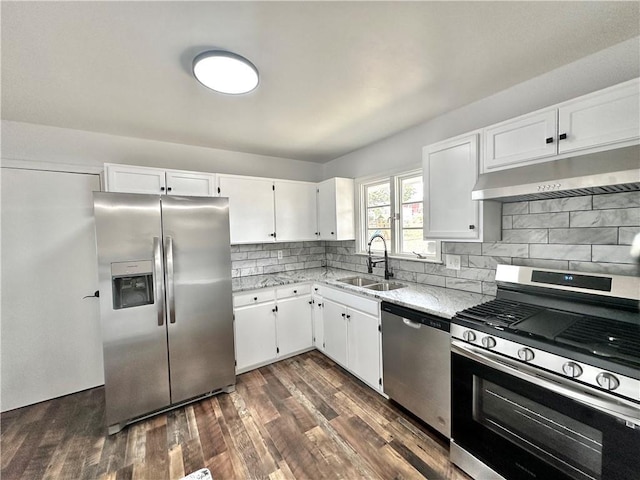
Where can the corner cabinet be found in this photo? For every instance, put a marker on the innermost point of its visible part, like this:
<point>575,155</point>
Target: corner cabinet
<point>450,170</point>
<point>336,219</point>
<point>133,179</point>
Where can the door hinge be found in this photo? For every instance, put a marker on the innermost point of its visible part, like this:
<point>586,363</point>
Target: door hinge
<point>273,187</point>
<point>380,328</point>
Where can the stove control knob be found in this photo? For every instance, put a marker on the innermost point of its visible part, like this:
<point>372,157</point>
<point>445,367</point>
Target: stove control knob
<point>469,336</point>
<point>572,369</point>
<point>525,354</point>
<point>607,381</point>
<point>488,342</point>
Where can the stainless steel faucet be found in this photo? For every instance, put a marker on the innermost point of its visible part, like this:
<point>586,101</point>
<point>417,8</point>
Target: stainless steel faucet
<point>372,263</point>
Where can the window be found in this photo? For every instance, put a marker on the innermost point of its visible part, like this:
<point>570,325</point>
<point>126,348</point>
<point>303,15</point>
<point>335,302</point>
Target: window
<point>393,208</point>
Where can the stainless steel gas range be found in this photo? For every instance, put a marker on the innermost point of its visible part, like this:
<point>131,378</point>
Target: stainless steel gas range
<point>546,378</point>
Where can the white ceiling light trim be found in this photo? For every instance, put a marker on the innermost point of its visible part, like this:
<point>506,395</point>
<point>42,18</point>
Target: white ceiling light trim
<point>225,72</point>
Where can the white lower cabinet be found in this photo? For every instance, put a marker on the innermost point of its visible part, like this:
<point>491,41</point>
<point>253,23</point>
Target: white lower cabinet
<point>293,325</point>
<point>271,324</point>
<point>352,334</point>
<point>255,334</point>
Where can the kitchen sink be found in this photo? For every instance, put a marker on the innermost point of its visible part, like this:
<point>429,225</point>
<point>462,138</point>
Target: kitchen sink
<point>358,281</point>
<point>385,286</point>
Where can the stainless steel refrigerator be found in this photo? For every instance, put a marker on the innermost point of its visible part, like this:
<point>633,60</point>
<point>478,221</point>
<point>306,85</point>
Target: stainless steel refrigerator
<point>164,267</point>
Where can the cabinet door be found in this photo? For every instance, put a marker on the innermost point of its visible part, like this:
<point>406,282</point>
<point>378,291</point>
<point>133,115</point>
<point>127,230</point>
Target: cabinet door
<point>191,183</point>
<point>295,206</point>
<point>336,219</point>
<point>335,331</point>
<point>255,335</point>
<point>520,140</point>
<point>251,213</point>
<point>364,347</point>
<point>318,323</point>
<point>450,171</point>
<point>293,325</point>
<point>130,179</point>
<point>609,116</point>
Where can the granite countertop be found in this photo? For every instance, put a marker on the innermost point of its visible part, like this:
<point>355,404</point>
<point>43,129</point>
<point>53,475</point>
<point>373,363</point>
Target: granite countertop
<point>444,302</point>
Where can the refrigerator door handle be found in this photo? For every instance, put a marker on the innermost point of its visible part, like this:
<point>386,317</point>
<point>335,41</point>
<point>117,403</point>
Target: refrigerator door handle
<point>157,266</point>
<point>171,299</point>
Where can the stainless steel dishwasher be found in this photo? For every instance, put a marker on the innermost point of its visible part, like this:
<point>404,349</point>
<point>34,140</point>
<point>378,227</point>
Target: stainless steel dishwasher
<point>416,359</point>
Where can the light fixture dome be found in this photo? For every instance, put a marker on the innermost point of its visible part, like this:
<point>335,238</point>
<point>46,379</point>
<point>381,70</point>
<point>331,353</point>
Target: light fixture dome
<point>225,72</point>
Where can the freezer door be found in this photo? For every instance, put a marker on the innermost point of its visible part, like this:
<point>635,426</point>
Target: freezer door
<point>129,247</point>
<point>199,303</point>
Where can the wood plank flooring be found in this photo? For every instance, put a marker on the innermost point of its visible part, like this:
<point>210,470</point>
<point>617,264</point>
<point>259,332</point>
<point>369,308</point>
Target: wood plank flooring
<point>302,418</point>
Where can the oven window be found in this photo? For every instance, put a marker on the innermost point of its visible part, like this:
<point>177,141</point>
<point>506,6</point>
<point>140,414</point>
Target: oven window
<point>570,446</point>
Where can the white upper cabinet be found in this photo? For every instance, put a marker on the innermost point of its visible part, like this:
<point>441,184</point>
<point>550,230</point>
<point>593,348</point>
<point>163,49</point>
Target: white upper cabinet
<point>132,179</point>
<point>336,209</point>
<point>251,208</point>
<point>191,183</point>
<point>598,121</point>
<point>450,170</point>
<point>605,117</point>
<point>525,138</point>
<point>295,210</point>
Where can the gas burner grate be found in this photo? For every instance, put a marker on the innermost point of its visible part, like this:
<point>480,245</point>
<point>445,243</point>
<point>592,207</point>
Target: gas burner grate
<point>607,338</point>
<point>499,312</point>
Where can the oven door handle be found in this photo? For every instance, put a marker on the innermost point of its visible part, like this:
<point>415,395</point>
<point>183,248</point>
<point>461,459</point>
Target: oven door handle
<point>620,408</point>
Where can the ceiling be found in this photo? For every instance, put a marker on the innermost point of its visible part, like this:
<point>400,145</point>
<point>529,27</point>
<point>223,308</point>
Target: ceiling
<point>335,76</point>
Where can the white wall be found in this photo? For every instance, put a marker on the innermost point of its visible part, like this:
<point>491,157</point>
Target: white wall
<point>602,69</point>
<point>31,143</point>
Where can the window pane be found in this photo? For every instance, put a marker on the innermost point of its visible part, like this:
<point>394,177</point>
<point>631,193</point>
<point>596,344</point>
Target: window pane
<point>379,195</point>
<point>412,215</point>
<point>377,244</point>
<point>412,189</point>
<point>378,217</point>
<point>412,242</point>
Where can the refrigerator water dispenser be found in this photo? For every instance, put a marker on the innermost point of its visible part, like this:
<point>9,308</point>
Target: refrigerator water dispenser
<point>132,284</point>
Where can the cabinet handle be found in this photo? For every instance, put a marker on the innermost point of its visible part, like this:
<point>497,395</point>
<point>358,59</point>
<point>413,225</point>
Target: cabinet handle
<point>310,302</point>
<point>472,227</point>
<point>549,140</point>
<point>316,289</point>
<point>344,314</point>
<point>319,305</point>
<point>275,310</point>
<point>255,299</point>
<point>348,317</point>
<point>563,136</point>
<point>332,233</point>
<point>272,234</point>
<point>295,291</point>
<point>168,189</point>
<point>162,189</point>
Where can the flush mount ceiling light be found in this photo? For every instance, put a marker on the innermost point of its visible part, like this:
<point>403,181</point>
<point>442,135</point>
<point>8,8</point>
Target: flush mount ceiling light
<point>225,72</point>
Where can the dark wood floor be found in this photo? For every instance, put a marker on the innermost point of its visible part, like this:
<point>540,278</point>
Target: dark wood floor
<point>300,418</point>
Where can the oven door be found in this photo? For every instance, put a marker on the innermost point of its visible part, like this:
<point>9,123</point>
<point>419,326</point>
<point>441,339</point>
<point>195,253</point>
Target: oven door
<point>526,423</point>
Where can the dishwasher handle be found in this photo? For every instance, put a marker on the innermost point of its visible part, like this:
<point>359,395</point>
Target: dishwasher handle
<point>414,318</point>
<point>411,324</point>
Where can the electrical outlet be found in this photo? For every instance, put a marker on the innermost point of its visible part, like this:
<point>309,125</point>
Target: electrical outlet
<point>280,255</point>
<point>452,262</point>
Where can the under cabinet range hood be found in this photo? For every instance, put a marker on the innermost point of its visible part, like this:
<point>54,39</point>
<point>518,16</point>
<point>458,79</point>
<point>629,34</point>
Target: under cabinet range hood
<point>604,172</point>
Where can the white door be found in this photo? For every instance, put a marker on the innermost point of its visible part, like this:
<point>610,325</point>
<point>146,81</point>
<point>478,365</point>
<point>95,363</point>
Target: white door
<point>450,171</point>
<point>131,179</point>
<point>255,335</point>
<point>251,210</point>
<point>335,331</point>
<point>364,346</point>
<point>191,184</point>
<point>293,325</point>
<point>318,322</point>
<point>295,204</point>
<point>601,118</point>
<point>51,339</point>
<point>520,140</point>
<point>327,221</point>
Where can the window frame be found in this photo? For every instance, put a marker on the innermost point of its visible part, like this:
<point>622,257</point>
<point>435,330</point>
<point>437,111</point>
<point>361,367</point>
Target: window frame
<point>394,180</point>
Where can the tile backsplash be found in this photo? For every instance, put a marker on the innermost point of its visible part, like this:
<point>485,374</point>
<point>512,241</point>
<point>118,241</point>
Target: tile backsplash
<point>590,233</point>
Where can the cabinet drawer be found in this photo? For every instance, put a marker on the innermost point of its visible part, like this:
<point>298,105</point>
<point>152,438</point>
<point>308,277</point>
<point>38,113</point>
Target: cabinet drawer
<point>255,296</point>
<point>352,301</point>
<point>295,290</point>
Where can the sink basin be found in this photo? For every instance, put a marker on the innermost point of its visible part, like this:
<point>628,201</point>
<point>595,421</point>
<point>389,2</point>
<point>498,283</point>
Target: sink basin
<point>385,286</point>
<point>358,281</point>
